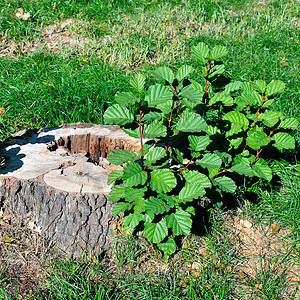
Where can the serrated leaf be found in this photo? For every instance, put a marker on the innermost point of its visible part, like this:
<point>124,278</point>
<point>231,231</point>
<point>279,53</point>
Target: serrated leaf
<point>156,232</point>
<point>218,52</point>
<point>120,207</point>
<point>116,193</point>
<point>154,130</point>
<point>226,157</point>
<point>132,220</point>
<point>209,160</point>
<point>139,205</point>
<point>131,194</point>
<point>216,70</point>
<point>201,53</point>
<point>114,175</point>
<point>153,115</point>
<point>232,87</point>
<point>192,94</point>
<point>225,183</point>
<point>289,123</point>
<point>132,132</point>
<point>191,191</point>
<point>194,177</point>
<point>235,143</point>
<point>154,155</point>
<point>158,94</point>
<point>224,98</point>
<point>212,130</point>
<point>117,115</point>
<point>256,138</point>
<point>284,140</point>
<point>270,118</point>
<point>250,97</point>
<point>177,155</point>
<point>138,82</point>
<point>134,175</point>
<point>156,206</point>
<point>125,98</point>
<point>191,122</point>
<point>164,73</point>
<point>183,72</point>
<point>199,143</point>
<point>262,171</point>
<point>260,86</point>
<point>243,169</point>
<point>275,87</point>
<point>168,247</point>
<point>162,181</point>
<point>180,222</point>
<point>238,122</point>
<point>120,156</point>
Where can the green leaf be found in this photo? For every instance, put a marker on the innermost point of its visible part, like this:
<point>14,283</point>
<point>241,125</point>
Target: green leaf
<point>183,72</point>
<point>177,155</point>
<point>192,94</point>
<point>270,118</point>
<point>125,98</point>
<point>224,98</point>
<point>120,207</point>
<point>284,140</point>
<point>194,177</point>
<point>212,130</point>
<point>199,143</point>
<point>262,171</point>
<point>120,156</point>
<point>256,138</point>
<point>251,97</point>
<point>132,220</point>
<point>155,154</point>
<point>131,194</point>
<point>164,73</point>
<point>155,130</point>
<point>156,206</point>
<point>201,53</point>
<point>180,222</point>
<point>235,143</point>
<point>225,183</point>
<point>134,175</point>
<point>191,191</point>
<point>116,193</point>
<point>132,132</point>
<point>114,175</point>
<point>158,94</point>
<point>238,122</point>
<point>139,205</point>
<point>243,169</point>
<point>162,181</point>
<point>216,70</point>
<point>153,115</point>
<point>260,86</point>
<point>289,123</point>
<point>218,52</point>
<point>138,82</point>
<point>191,122</point>
<point>156,232</point>
<point>275,87</point>
<point>209,160</point>
<point>168,247</point>
<point>232,87</point>
<point>117,115</point>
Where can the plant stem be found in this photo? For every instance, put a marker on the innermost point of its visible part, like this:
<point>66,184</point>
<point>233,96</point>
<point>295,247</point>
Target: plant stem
<point>141,137</point>
<point>225,170</point>
<point>191,161</point>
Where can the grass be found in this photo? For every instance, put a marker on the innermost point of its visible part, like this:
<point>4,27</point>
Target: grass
<point>65,64</point>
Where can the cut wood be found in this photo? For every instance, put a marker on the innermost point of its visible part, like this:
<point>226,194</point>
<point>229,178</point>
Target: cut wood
<point>59,175</point>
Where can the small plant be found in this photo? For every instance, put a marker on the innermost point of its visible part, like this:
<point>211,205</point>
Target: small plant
<point>198,135</point>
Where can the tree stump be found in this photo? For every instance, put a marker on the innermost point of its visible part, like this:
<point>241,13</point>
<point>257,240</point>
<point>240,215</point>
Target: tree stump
<point>59,175</point>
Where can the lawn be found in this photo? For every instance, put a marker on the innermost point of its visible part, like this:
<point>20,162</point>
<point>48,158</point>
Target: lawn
<point>64,63</point>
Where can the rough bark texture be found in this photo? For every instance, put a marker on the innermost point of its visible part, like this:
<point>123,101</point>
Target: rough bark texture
<point>59,175</point>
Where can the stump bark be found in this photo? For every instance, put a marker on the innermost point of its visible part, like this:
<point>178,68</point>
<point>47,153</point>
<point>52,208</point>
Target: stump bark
<point>59,175</point>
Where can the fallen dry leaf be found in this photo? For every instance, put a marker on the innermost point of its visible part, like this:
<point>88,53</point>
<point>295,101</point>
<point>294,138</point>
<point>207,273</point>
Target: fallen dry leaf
<point>8,239</point>
<point>19,13</point>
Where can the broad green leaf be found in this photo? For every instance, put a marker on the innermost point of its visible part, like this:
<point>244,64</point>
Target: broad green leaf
<point>153,115</point>
<point>256,138</point>
<point>209,160</point>
<point>162,181</point>
<point>275,87</point>
<point>114,175</point>
<point>224,98</point>
<point>132,220</point>
<point>131,194</point>
<point>216,70</point>
<point>138,82</point>
<point>212,130</point>
<point>183,72</point>
<point>260,86</point>
<point>139,205</point>
<point>117,115</point>
<point>120,207</point>
<point>218,52</point>
<point>199,143</point>
<point>125,98</point>
<point>191,191</point>
<point>235,143</point>
<point>238,122</point>
<point>155,130</point>
<point>284,140</point>
<point>225,183</point>
<point>158,94</point>
<point>165,107</point>
<point>289,123</point>
<point>134,175</point>
<point>262,171</point>
<point>177,155</point>
<point>270,118</point>
<point>192,94</point>
<point>226,157</point>
<point>132,132</point>
<point>250,98</point>
<point>243,169</point>
<point>197,86</point>
<point>180,222</point>
<point>232,87</point>
<point>156,232</point>
<point>156,206</point>
<point>201,53</point>
<point>164,73</point>
<point>168,247</point>
<point>194,177</point>
<point>120,156</point>
<point>116,193</point>
<point>191,122</point>
<point>154,155</point>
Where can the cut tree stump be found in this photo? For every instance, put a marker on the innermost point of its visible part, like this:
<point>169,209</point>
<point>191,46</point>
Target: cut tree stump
<point>59,176</point>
